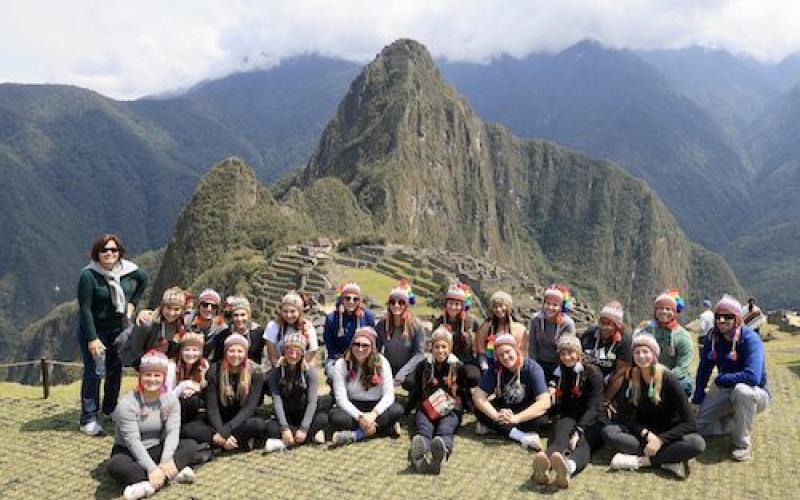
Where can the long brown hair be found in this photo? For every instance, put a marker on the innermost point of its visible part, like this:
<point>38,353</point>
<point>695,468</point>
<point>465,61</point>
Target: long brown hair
<point>370,370</point>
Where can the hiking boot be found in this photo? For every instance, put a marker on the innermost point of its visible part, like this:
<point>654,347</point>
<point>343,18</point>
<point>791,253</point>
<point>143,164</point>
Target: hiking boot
<point>438,454</point>
<point>680,469</point>
<point>623,461</point>
<point>541,469</point>
<point>417,453</point>
<point>561,469</point>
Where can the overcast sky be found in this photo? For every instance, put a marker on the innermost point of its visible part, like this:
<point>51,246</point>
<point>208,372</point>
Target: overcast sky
<point>126,49</point>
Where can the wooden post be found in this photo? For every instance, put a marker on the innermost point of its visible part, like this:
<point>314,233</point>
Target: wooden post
<point>45,379</point>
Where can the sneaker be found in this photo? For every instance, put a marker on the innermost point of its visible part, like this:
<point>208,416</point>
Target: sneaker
<point>561,469</point>
<point>93,428</point>
<point>319,437</point>
<point>342,438</point>
<point>742,454</point>
<point>438,454</point>
<point>541,469</point>
<point>481,429</point>
<point>273,445</point>
<point>139,490</point>
<point>417,453</point>
<point>680,469</point>
<point>185,476</point>
<point>394,432</point>
<point>531,441</point>
<point>623,461</point>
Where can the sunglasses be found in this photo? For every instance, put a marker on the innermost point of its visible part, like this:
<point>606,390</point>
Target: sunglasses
<point>352,298</point>
<point>361,345</point>
<point>110,249</point>
<point>397,303</point>
<point>724,317</point>
<point>208,305</point>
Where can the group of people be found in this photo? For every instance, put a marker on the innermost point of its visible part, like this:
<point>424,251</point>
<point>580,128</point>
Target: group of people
<point>204,372</point>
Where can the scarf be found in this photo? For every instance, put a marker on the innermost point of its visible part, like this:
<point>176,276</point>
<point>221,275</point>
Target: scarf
<point>121,268</point>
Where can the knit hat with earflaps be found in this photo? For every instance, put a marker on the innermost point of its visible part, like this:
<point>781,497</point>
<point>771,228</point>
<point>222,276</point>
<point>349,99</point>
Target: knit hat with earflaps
<point>191,338</point>
<point>153,361</point>
<point>237,339</point>
<point>174,296</point>
<point>293,298</point>
<point>727,305</point>
<point>209,296</point>
<point>442,334</point>
<point>646,340</point>
<point>404,292</point>
<point>614,312</point>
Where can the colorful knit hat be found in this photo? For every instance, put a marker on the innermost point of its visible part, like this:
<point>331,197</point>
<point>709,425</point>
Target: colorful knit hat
<point>614,312</point>
<point>237,302</point>
<point>569,342</point>
<point>671,298</point>
<point>237,339</point>
<point>191,338</point>
<point>500,297</point>
<point>293,298</point>
<point>368,333</point>
<point>646,340</point>
<point>729,305</point>
<point>505,339</point>
<point>348,288</point>
<point>174,296</point>
<point>403,292</point>
<point>560,293</point>
<point>442,334</point>
<point>460,291</point>
<point>154,361</point>
<point>295,339</point>
<point>209,296</point>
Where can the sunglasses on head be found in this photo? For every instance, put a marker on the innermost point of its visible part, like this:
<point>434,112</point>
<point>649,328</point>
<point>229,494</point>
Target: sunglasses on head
<point>110,249</point>
<point>351,298</point>
<point>395,302</point>
<point>724,317</point>
<point>208,305</point>
<point>361,345</point>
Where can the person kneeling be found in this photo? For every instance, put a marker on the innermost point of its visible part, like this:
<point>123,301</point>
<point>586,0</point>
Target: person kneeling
<point>293,386</point>
<point>521,396</point>
<point>578,395</point>
<point>657,426</point>
<point>148,430</point>
<point>440,388</point>
<point>363,388</point>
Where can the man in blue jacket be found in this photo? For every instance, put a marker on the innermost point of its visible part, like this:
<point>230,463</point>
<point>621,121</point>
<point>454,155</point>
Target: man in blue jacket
<point>739,391</point>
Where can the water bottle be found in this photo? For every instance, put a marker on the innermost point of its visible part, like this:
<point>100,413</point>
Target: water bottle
<point>100,362</point>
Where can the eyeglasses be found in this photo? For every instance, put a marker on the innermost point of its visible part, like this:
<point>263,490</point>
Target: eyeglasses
<point>208,305</point>
<point>352,298</point>
<point>724,317</point>
<point>397,303</point>
<point>110,249</point>
<point>362,346</point>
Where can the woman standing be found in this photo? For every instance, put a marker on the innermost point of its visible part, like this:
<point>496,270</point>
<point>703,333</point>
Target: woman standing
<point>439,392</point>
<point>548,325</point>
<point>578,398</point>
<point>290,320</point>
<point>500,322</point>
<point>402,335</point>
<point>656,424</point>
<point>293,384</point>
<point>109,289</point>
<point>364,392</point>
<point>457,319</point>
<point>147,449</point>
<point>232,396</point>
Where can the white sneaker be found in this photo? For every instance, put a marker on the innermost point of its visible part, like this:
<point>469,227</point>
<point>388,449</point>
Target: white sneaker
<point>481,429</point>
<point>274,445</point>
<point>319,437</point>
<point>139,490</point>
<point>680,469</point>
<point>742,454</point>
<point>531,441</point>
<point>623,461</point>
<point>186,476</point>
<point>93,428</point>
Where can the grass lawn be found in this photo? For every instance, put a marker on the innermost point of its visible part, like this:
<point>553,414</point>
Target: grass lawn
<point>377,286</point>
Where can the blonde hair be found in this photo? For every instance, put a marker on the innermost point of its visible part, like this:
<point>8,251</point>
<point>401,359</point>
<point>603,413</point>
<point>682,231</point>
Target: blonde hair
<point>634,377</point>
<point>226,393</point>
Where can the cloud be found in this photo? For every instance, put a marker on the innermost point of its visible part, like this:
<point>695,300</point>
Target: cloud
<point>130,49</point>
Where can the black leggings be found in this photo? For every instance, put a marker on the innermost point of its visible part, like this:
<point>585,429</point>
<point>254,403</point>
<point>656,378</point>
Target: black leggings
<point>689,446</point>
<point>559,442</point>
<point>341,421</point>
<point>202,432</point>
<point>126,470</point>
<point>318,423</point>
<point>503,429</point>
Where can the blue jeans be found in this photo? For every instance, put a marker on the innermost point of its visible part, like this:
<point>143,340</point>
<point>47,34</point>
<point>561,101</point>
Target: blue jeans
<point>90,383</point>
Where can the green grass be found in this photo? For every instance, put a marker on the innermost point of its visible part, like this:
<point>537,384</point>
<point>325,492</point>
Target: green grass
<point>44,456</point>
<point>378,285</point>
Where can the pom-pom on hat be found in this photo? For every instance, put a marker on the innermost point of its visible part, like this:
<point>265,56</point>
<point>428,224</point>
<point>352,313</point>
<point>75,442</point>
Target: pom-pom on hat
<point>237,339</point>
<point>295,339</point>
<point>442,334</point>
<point>191,338</point>
<point>560,293</point>
<point>174,296</point>
<point>671,298</point>
<point>153,361</point>
<point>404,292</point>
<point>647,340</point>
<point>501,297</point>
<point>569,342</point>
<point>613,311</point>
<point>209,296</point>
<point>293,298</point>
<point>462,292</point>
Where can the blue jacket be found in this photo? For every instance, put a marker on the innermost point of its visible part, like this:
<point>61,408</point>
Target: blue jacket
<point>749,367</point>
<point>336,345</point>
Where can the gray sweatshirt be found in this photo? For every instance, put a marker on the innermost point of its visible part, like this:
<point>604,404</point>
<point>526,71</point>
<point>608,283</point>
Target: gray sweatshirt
<point>140,426</point>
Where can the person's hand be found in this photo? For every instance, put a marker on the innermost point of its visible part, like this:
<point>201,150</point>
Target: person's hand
<point>130,310</point>
<point>188,392</point>
<point>231,443</point>
<point>573,441</point>
<point>156,477</point>
<point>300,436</point>
<point>218,440</point>
<point>96,347</point>
<point>170,469</point>
<point>287,437</point>
<point>367,423</point>
<point>654,444</point>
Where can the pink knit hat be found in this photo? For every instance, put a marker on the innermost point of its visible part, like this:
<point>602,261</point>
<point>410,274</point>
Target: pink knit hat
<point>209,296</point>
<point>366,332</point>
<point>153,361</point>
<point>505,339</point>
<point>729,305</point>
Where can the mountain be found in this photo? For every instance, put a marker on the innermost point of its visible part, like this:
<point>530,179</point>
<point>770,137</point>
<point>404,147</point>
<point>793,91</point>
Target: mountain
<point>614,105</point>
<point>418,159</point>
